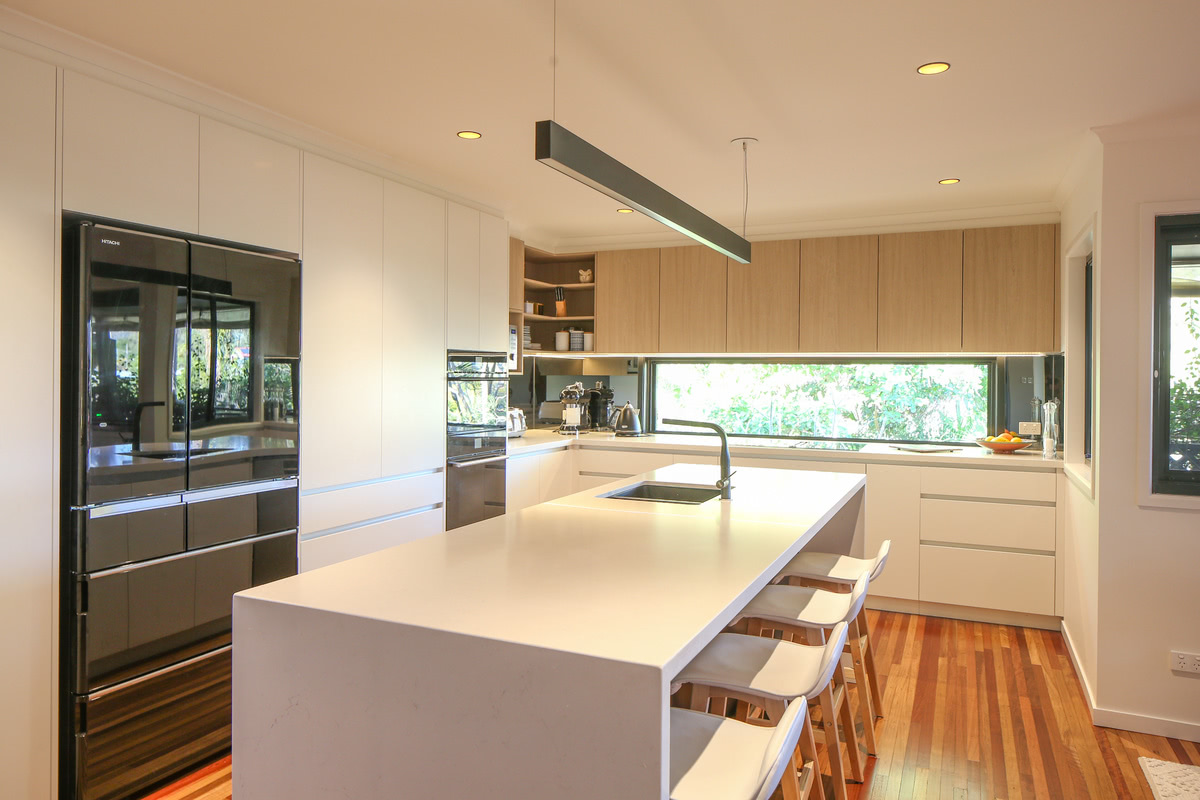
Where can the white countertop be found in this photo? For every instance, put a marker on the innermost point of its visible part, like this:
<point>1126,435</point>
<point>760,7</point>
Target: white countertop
<point>544,440</point>
<point>635,582</point>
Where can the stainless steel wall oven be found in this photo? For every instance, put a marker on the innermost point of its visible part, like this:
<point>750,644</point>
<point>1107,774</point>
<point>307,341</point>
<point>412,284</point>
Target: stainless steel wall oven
<point>476,436</point>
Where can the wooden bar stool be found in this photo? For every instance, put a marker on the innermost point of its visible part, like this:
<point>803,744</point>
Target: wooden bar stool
<point>804,612</point>
<point>839,573</point>
<point>714,758</point>
<point>777,677</point>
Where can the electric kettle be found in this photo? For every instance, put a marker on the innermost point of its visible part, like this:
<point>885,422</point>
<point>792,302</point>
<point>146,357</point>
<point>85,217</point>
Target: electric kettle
<point>626,421</point>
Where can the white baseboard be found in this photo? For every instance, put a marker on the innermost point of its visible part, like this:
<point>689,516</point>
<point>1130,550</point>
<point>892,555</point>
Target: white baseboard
<point>1156,726</point>
<point>1089,694</point>
<point>971,613</point>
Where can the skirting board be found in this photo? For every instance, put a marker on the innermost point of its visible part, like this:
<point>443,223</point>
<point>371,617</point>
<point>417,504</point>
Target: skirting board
<point>971,613</point>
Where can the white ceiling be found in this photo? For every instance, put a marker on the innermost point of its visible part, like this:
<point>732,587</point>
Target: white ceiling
<point>847,127</point>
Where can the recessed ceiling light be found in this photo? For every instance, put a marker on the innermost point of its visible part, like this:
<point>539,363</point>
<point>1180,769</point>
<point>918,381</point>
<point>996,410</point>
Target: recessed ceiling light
<point>624,210</point>
<point>470,135</point>
<point>933,67</point>
<point>948,181</point>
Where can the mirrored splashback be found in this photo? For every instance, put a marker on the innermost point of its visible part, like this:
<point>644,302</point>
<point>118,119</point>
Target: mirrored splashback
<point>1025,383</point>
<point>537,389</point>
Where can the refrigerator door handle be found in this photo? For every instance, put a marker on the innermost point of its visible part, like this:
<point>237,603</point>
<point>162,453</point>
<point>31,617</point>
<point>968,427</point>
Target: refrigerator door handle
<point>158,673</point>
<point>125,568</point>
<point>236,490</point>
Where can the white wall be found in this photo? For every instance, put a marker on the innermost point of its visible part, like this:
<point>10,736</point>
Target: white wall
<point>1149,558</point>
<point>1080,548</point>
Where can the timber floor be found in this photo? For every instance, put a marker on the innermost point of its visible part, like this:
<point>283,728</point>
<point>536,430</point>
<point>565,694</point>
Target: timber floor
<point>971,710</point>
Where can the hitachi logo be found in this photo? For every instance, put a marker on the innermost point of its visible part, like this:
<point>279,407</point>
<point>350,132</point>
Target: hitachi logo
<point>110,241</point>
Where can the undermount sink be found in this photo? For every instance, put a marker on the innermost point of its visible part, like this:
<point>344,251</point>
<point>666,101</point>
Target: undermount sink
<point>685,494</point>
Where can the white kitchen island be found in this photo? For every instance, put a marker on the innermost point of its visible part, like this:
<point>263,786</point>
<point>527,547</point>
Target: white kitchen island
<point>528,657</point>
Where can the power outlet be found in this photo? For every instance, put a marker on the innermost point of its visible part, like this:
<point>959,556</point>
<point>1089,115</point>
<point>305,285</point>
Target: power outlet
<point>1185,662</point>
<point>1029,428</point>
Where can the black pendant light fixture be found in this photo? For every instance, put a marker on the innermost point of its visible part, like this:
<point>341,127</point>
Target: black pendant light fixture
<point>557,147</point>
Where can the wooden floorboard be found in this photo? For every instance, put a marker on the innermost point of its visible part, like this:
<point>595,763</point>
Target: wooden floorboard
<point>972,711</point>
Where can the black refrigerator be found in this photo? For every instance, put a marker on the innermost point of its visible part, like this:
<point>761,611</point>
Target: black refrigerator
<point>180,467</point>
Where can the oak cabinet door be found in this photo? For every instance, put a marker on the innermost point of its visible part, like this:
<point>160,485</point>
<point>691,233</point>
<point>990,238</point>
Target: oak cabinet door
<point>128,156</point>
<point>627,300</point>
<point>414,330</point>
<point>838,288</point>
<point>342,283</point>
<point>1001,265</point>
<point>691,303</point>
<point>249,188</point>
<point>921,292</point>
<point>763,315</point>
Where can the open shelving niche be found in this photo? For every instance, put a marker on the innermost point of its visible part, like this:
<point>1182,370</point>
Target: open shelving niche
<point>543,273</point>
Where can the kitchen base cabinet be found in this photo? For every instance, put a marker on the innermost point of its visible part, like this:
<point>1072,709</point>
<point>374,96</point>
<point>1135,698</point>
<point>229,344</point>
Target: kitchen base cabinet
<point>331,548</point>
<point>322,511</point>
<point>522,486</point>
<point>556,474</point>
<point>893,512</point>
<point>1020,582</point>
<point>1014,526</point>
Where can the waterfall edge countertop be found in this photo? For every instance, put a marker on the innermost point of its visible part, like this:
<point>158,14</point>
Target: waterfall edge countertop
<point>529,656</point>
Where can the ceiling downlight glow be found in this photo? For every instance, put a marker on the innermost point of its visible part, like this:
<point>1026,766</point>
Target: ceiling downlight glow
<point>933,68</point>
<point>948,181</point>
<point>624,210</point>
<point>470,135</point>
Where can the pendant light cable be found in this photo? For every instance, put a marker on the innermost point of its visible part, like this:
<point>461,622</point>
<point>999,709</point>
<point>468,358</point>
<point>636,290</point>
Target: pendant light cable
<point>554,65</point>
<point>745,183</point>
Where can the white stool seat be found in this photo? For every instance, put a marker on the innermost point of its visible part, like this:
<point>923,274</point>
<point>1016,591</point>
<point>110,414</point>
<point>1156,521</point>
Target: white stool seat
<point>833,567</point>
<point>770,668</point>
<point>799,605</point>
<point>714,758</point>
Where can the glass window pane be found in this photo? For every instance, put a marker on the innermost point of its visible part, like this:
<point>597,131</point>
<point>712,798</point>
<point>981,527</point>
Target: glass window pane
<point>1183,423</point>
<point>942,402</point>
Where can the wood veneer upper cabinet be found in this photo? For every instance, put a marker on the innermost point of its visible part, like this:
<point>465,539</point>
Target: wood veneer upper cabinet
<point>920,292</point>
<point>627,301</point>
<point>516,274</point>
<point>838,292</point>
<point>763,316</point>
<point>998,265</point>
<point>691,304</point>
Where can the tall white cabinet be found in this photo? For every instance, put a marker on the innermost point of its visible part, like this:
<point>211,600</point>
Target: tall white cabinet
<point>342,319</point>
<point>129,157</point>
<point>476,280</point>
<point>28,476</point>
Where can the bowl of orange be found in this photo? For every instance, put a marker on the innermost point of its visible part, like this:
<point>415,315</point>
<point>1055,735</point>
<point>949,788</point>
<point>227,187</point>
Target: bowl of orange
<point>1004,443</point>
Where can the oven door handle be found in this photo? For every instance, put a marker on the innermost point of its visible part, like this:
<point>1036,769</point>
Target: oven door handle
<point>475,461</point>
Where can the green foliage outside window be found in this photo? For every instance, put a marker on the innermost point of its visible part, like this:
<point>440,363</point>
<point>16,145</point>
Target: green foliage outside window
<point>1184,415</point>
<point>933,402</point>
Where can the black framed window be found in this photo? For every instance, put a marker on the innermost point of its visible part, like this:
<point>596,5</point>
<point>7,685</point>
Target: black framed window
<point>1088,362</point>
<point>1176,451</point>
<point>872,400</point>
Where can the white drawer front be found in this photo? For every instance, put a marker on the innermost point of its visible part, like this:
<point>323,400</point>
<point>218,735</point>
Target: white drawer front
<point>1019,527</point>
<point>332,509</point>
<point>987,579</point>
<point>989,483</point>
<point>355,542</point>
<point>620,462</point>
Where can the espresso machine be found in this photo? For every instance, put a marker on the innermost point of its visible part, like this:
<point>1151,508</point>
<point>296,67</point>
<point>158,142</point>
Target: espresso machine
<point>575,410</point>
<point>600,407</point>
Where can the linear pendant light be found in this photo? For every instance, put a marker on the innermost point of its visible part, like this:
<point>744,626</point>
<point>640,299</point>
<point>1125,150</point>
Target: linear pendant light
<point>559,148</point>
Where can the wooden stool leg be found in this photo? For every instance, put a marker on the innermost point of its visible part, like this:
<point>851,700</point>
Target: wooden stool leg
<point>869,661</point>
<point>790,781</point>
<point>833,748</point>
<point>811,784</point>
<point>700,697</point>
<point>863,685</point>
<point>847,720</point>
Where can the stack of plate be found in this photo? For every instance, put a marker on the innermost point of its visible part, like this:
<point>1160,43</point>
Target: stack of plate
<point>526,337</point>
<point>576,340</point>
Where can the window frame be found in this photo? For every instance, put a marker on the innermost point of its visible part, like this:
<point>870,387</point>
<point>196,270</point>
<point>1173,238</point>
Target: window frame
<point>995,386</point>
<point>1089,363</point>
<point>1168,229</point>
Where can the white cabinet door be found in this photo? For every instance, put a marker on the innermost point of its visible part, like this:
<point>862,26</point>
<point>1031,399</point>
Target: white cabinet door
<point>893,511</point>
<point>414,330</point>
<point>1021,582</point>
<point>28,228</point>
<point>342,285</point>
<point>128,156</point>
<point>522,484</point>
<point>557,474</point>
<point>355,542</point>
<point>493,283</point>
<point>249,187</point>
<point>462,278</point>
